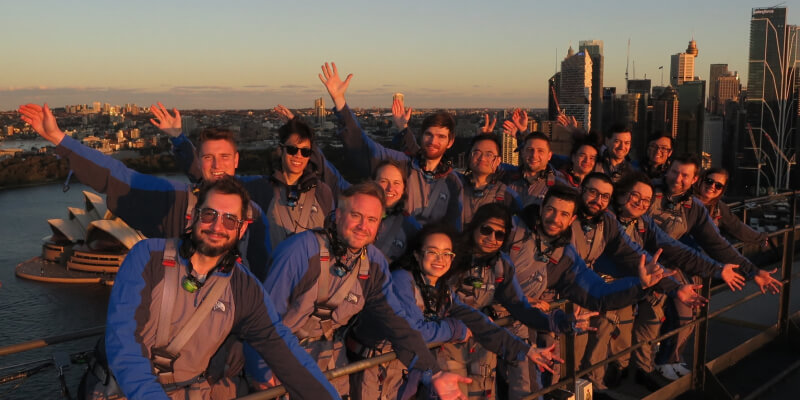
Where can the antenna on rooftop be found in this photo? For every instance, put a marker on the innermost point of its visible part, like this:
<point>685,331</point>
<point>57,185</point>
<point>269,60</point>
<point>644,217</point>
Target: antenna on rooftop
<point>627,62</point>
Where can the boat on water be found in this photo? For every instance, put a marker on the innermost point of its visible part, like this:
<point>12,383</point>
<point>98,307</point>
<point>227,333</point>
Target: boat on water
<point>87,246</point>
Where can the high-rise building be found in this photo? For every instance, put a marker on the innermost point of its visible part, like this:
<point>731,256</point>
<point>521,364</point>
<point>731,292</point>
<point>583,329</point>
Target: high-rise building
<point>665,112</point>
<point>595,50</point>
<point>682,65</point>
<point>96,107</point>
<point>553,88</point>
<point>772,90</point>
<point>641,86</point>
<point>727,89</point>
<point>691,113</point>
<point>510,155</point>
<point>575,92</point>
<point>319,110</point>
<point>715,71</point>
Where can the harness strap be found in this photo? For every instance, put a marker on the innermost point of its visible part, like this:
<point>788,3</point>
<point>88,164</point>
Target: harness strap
<point>438,188</point>
<point>172,270</point>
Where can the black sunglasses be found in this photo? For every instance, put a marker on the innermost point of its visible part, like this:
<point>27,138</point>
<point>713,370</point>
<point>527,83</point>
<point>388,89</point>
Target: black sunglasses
<point>292,150</point>
<point>715,184</point>
<point>486,230</point>
<point>229,221</point>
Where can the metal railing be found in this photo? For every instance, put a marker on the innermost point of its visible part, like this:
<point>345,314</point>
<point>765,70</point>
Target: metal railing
<point>701,379</point>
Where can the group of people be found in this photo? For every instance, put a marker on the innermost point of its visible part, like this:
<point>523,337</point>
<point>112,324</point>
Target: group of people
<point>250,282</point>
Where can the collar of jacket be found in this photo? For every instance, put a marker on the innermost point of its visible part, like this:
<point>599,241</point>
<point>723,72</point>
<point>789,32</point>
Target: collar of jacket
<point>442,169</point>
<point>306,181</point>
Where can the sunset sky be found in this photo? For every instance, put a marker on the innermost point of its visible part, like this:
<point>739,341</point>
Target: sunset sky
<point>255,54</point>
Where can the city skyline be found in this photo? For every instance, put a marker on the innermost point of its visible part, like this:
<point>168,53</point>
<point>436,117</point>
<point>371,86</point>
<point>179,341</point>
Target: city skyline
<point>253,55</point>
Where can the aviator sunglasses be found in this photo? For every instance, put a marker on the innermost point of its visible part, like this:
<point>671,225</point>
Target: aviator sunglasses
<point>209,216</point>
<point>292,150</point>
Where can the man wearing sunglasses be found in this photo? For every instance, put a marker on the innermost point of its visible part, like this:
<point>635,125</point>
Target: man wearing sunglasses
<point>294,198</point>
<point>138,336</point>
<point>434,191</point>
<point>679,214</point>
<point>596,232</point>
<point>547,265</point>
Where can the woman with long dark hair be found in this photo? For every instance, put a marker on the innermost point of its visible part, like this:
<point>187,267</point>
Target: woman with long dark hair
<point>421,280</point>
<point>709,189</point>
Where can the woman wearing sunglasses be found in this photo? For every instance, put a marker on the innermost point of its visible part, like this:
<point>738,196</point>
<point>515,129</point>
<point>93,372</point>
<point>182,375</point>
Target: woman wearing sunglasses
<point>709,190</point>
<point>421,279</point>
<point>484,279</point>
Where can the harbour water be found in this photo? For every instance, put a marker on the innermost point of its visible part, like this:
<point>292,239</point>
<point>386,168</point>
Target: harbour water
<point>32,310</point>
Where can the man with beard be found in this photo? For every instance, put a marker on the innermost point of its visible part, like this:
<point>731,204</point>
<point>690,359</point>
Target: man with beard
<point>547,265</point>
<point>678,214</point>
<point>155,346</point>
<point>596,232</point>
<point>320,279</point>
<point>614,160</point>
<point>632,197</point>
<point>434,191</point>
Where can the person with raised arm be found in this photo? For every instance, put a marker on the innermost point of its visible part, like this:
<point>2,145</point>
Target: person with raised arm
<point>293,197</point>
<point>434,191</point>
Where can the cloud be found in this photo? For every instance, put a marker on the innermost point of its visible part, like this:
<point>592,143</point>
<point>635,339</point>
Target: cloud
<point>293,86</point>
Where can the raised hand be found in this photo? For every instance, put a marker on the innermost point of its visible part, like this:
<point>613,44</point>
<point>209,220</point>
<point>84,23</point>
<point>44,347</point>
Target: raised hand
<point>510,128</point>
<point>169,124</point>
<point>488,127</point>
<point>42,121</point>
<point>545,357</point>
<point>400,114</point>
<point>650,273</point>
<point>336,87</point>
<point>687,294</point>
<point>765,281</point>
<point>520,119</point>
<point>734,280</point>
<point>566,121</point>
<point>445,384</point>
<point>285,114</point>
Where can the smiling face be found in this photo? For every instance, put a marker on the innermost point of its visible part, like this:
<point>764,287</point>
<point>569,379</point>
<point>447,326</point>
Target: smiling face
<point>712,186</point>
<point>213,238</point>
<point>391,180</point>
<point>484,157</point>
<point>637,201</point>
<point>486,235</point>
<point>357,220</point>
<point>557,215</point>
<point>536,154</point>
<point>659,150</point>
<point>595,196</point>
<point>218,158</point>
<point>584,160</point>
<point>680,177</point>
<point>435,256</point>
<point>619,145</point>
<point>294,163</point>
<point>435,141</point>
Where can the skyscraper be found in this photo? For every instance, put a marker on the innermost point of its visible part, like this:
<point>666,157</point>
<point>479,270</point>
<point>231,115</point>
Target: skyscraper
<point>575,91</point>
<point>665,112</point>
<point>772,90</point>
<point>727,88</point>
<point>681,67</point>
<point>715,71</point>
<point>319,110</point>
<point>510,155</point>
<point>595,50</point>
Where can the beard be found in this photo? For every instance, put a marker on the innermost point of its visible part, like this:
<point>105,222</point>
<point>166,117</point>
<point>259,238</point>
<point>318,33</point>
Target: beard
<point>210,250</point>
<point>591,212</point>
